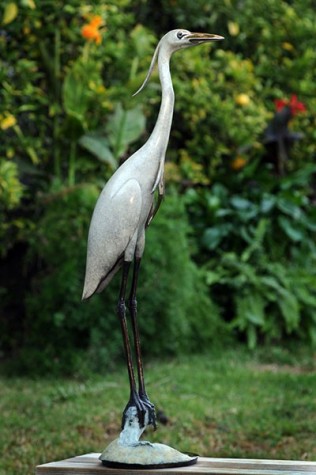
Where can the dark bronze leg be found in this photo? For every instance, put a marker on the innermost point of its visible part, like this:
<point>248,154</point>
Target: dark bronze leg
<point>135,399</point>
<point>132,303</point>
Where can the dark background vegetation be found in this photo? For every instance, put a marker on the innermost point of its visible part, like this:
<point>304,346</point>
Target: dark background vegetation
<point>231,254</point>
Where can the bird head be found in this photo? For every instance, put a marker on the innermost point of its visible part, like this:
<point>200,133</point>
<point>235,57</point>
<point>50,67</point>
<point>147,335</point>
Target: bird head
<point>179,39</point>
<point>175,40</point>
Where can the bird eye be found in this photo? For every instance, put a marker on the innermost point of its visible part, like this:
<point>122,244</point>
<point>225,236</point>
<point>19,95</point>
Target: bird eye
<point>180,35</point>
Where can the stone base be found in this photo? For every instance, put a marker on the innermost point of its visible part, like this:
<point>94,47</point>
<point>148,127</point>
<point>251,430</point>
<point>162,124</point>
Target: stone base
<point>144,455</point>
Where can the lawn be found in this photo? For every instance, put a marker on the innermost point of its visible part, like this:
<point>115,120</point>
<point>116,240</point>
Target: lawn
<point>228,404</point>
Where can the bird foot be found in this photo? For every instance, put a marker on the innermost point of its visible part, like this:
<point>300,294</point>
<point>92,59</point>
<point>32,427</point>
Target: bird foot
<point>139,411</point>
<point>150,409</point>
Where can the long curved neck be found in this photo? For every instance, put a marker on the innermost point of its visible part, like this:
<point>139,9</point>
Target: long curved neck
<point>161,131</point>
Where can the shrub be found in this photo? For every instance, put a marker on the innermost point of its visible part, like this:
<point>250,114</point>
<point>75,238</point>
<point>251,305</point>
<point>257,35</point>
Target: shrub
<point>226,94</point>
<point>255,247</point>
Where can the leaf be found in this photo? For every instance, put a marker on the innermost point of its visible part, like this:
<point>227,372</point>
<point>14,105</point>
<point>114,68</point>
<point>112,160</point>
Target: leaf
<point>289,307</point>
<point>305,296</point>
<point>77,94</point>
<point>272,284</point>
<point>11,189</point>
<point>251,337</point>
<point>143,40</point>
<point>300,177</point>
<point>240,203</point>
<point>256,242</point>
<point>220,190</point>
<point>312,334</point>
<point>308,223</point>
<point>99,147</point>
<point>212,201</point>
<point>267,203</point>
<point>212,237</point>
<point>32,154</point>
<point>10,13</point>
<point>246,210</point>
<point>293,233</point>
<point>123,128</point>
<point>250,315</point>
<point>245,234</point>
<point>223,213</point>
<point>289,208</point>
<point>251,307</point>
<point>28,3</point>
<point>213,277</point>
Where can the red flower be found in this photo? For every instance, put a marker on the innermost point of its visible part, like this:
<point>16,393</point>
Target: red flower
<point>280,104</point>
<point>295,106</point>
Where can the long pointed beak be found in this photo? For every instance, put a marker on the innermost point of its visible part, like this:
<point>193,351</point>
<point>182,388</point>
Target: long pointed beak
<point>198,38</point>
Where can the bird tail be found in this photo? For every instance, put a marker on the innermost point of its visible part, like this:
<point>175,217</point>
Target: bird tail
<point>87,292</point>
<point>92,285</point>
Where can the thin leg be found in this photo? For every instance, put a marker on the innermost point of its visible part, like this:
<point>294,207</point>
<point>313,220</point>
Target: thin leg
<point>121,311</point>
<point>132,302</point>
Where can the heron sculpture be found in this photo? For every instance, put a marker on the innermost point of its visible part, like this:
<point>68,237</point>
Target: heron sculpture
<point>124,209</point>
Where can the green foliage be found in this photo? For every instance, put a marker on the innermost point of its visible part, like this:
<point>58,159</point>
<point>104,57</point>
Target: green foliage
<point>11,190</point>
<point>269,300</point>
<point>233,127</point>
<point>58,323</point>
<point>12,228</point>
<point>122,128</point>
<point>68,119</point>
<point>268,53</point>
<point>255,247</point>
<point>57,87</point>
<point>286,209</point>
<point>177,314</point>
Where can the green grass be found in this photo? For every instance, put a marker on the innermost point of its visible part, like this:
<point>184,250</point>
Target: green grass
<point>225,405</point>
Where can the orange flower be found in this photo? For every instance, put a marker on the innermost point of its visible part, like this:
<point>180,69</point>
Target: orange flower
<point>91,32</point>
<point>96,21</point>
<point>238,163</point>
